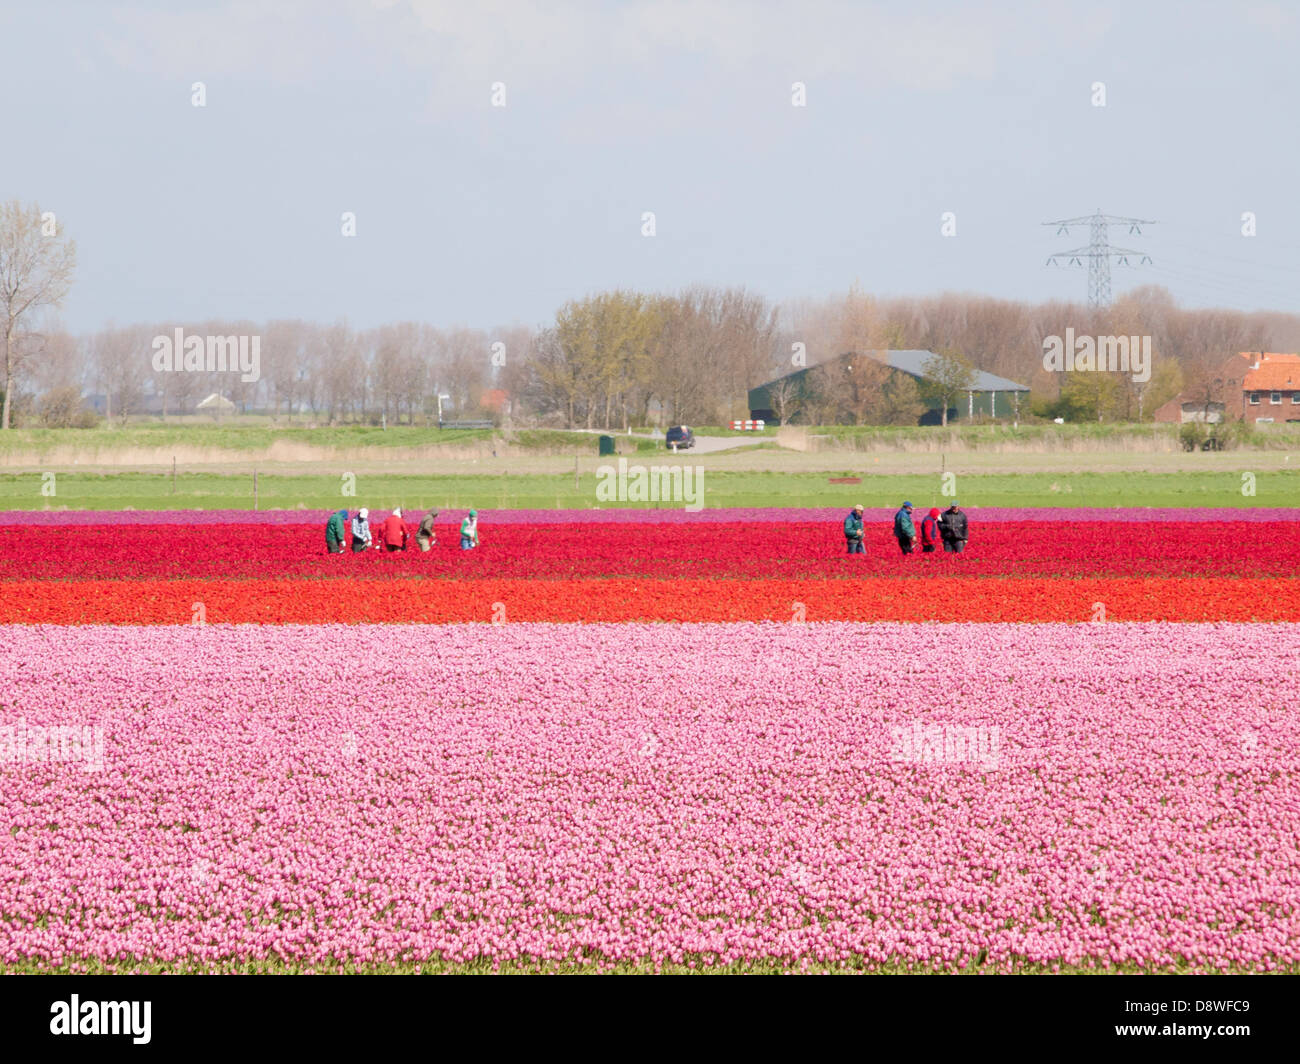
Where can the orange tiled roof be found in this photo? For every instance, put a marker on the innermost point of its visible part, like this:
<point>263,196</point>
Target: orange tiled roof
<point>1274,376</point>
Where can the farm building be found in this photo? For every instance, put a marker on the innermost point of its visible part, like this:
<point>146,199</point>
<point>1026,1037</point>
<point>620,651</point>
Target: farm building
<point>991,395</point>
<point>1260,387</point>
<point>1271,390</point>
<point>216,404</point>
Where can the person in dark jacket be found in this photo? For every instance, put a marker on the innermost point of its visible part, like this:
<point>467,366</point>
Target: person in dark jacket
<point>904,530</point>
<point>425,537</point>
<point>336,530</point>
<point>361,537</point>
<point>853,531</point>
<point>954,530</point>
<point>930,532</point>
<point>395,531</point>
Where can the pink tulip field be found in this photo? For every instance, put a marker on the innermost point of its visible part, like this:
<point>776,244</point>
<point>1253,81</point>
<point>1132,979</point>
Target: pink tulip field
<point>763,796</point>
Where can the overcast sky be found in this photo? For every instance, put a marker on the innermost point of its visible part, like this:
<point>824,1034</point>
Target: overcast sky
<point>472,214</point>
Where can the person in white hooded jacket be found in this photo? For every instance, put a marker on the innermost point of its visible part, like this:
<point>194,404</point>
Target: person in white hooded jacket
<point>361,537</point>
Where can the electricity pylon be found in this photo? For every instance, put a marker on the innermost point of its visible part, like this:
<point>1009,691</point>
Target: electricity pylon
<point>1099,252</point>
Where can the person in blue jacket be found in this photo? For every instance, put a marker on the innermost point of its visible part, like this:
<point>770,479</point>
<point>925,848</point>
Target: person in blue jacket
<point>904,530</point>
<point>853,531</point>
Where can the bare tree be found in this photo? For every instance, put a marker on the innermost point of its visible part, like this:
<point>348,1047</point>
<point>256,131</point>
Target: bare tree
<point>860,380</point>
<point>685,353</point>
<point>342,370</point>
<point>36,266</point>
<point>122,360</point>
<point>948,373</point>
<point>58,362</point>
<point>1205,342</point>
<point>511,372</point>
<point>284,360</point>
<point>465,365</point>
<point>900,401</point>
<point>784,395</point>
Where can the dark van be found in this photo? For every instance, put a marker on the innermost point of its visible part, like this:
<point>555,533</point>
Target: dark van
<point>680,437</point>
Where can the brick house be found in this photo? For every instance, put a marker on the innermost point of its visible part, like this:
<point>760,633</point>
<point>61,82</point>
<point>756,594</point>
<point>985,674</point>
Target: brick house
<point>1245,386</point>
<point>1271,391</point>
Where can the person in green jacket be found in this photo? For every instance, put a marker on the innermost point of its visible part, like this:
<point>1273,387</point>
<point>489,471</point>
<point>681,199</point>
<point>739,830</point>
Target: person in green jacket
<point>853,531</point>
<point>904,530</point>
<point>336,530</point>
<point>469,531</point>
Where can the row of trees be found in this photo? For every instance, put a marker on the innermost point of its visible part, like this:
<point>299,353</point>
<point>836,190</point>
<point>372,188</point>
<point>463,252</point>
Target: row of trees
<point>329,373</point>
<point>612,359</point>
<point>623,358</point>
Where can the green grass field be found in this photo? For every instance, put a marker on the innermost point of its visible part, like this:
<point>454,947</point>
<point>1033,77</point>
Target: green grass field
<point>722,488</point>
<point>253,434</point>
<point>233,437</point>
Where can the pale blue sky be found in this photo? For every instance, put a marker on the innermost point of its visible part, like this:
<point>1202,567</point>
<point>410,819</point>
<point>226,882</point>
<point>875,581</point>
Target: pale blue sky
<point>470,214</point>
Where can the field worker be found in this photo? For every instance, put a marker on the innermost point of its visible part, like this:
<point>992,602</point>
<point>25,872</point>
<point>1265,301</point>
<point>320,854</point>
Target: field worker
<point>360,531</point>
<point>395,531</point>
<point>953,528</point>
<point>335,531</point>
<point>853,531</point>
<point>469,531</point>
<point>424,535</point>
<point>904,530</point>
<point>930,532</point>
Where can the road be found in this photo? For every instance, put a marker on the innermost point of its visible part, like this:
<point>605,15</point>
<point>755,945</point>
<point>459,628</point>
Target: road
<point>708,444</point>
<point>711,444</point>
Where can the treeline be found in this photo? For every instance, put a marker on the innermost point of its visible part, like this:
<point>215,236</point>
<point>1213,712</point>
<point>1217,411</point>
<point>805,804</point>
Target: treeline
<point>331,373</point>
<point>618,359</point>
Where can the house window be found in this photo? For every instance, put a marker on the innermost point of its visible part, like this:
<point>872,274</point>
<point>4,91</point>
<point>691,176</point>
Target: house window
<point>1275,398</point>
<point>1254,398</point>
<point>1263,421</point>
<point>1295,398</point>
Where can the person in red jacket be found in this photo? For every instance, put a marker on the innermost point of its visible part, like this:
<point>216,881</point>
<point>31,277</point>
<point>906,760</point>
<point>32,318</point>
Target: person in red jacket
<point>930,532</point>
<point>394,532</point>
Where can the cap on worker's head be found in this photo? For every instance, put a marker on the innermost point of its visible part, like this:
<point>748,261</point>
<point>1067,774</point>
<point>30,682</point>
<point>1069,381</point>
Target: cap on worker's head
<point>907,506</point>
<point>363,512</point>
<point>473,513</point>
<point>397,511</point>
<point>858,509</point>
<point>954,504</point>
<point>934,512</point>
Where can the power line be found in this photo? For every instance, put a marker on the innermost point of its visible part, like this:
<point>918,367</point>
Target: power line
<point>1099,252</point>
<point>1214,292</point>
<point>1258,264</point>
